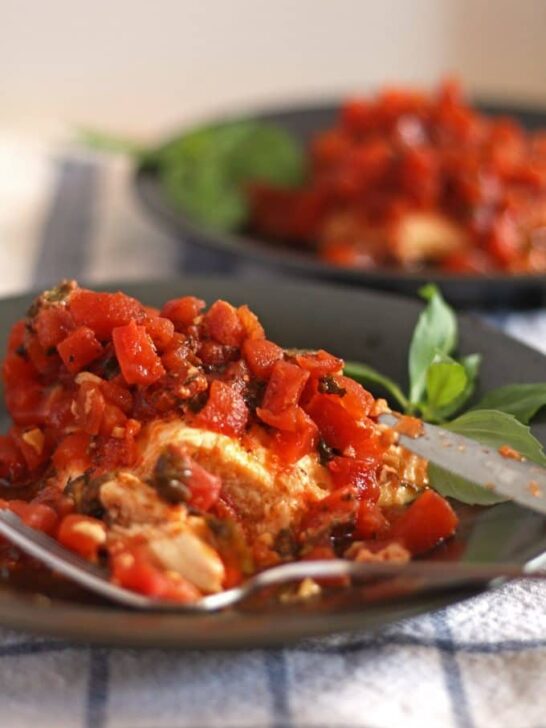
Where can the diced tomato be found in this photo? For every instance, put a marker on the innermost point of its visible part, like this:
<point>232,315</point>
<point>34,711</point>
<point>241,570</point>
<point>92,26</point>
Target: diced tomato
<point>12,463</point>
<point>356,400</point>
<point>319,363</point>
<point>117,394</point>
<point>133,568</point>
<point>79,349</point>
<point>370,521</point>
<point>113,419</point>
<point>103,312</point>
<point>36,515</point>
<point>32,444</point>
<point>261,355</point>
<point>52,324</point>
<point>25,403</point>
<point>356,116</point>
<point>251,324</point>
<point>293,445</point>
<point>136,355</point>
<point>286,420</point>
<point>45,363</point>
<point>361,474</point>
<point>160,330</point>
<point>427,521</point>
<point>72,452</point>
<point>224,324</point>
<point>225,410</point>
<point>90,406</point>
<point>204,486</point>
<point>183,311</point>
<point>338,428</point>
<point>82,534</point>
<point>285,386</point>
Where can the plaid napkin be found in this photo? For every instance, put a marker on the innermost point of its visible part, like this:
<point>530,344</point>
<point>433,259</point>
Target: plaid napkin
<point>477,664</point>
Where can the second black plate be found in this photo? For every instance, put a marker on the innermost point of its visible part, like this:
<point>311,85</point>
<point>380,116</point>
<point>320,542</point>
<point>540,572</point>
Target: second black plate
<point>514,291</point>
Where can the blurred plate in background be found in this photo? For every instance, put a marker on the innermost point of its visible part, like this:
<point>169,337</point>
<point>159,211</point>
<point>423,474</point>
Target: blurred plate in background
<point>511,291</point>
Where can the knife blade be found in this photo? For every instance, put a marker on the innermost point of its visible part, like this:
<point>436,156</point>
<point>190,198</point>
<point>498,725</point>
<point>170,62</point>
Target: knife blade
<point>519,480</point>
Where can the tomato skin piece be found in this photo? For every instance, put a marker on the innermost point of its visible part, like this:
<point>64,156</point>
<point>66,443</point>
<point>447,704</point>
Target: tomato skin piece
<point>285,386</point>
<point>251,324</point>
<point>338,428</point>
<point>79,349</point>
<point>225,410</point>
<point>73,452</point>
<point>52,324</point>
<point>319,363</point>
<point>261,356</point>
<point>223,324</point>
<point>356,400</point>
<point>35,515</point>
<point>115,393</point>
<point>133,568</point>
<point>136,355</point>
<point>103,312</point>
<point>361,474</point>
<point>160,330</point>
<point>291,446</point>
<point>183,311</point>
<point>83,535</point>
<point>427,521</point>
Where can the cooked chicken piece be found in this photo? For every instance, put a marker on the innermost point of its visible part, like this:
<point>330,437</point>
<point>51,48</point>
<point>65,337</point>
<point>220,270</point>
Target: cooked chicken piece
<point>268,496</point>
<point>423,236</point>
<point>179,542</point>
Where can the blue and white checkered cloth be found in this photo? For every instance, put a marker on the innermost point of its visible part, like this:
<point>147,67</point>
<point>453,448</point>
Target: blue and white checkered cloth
<point>478,664</point>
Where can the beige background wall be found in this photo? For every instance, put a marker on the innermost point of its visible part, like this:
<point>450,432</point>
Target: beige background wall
<point>144,66</point>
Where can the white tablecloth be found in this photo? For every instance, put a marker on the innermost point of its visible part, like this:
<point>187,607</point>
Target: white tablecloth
<point>478,664</point>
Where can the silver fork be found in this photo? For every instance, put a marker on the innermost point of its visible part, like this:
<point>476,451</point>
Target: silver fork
<point>426,575</point>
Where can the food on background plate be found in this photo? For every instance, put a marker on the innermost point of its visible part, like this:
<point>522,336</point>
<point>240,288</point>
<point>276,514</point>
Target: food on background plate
<point>186,451</point>
<point>413,180</point>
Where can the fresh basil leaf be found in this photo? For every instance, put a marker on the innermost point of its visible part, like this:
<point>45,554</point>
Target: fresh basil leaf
<point>523,401</point>
<point>204,171</point>
<point>494,429</point>
<point>367,375</point>
<point>446,380</point>
<point>471,364</point>
<point>435,333</point>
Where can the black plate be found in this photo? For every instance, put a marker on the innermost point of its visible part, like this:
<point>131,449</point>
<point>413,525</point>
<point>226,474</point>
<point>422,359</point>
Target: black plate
<point>360,325</point>
<point>516,291</point>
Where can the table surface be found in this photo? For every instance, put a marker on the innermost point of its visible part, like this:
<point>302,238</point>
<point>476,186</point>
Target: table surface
<point>479,663</point>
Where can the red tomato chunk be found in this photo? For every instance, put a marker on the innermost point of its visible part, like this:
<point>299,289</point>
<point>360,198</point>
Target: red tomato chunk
<point>79,349</point>
<point>136,355</point>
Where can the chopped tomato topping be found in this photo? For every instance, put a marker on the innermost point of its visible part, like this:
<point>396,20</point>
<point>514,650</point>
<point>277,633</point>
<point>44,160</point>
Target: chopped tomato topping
<point>370,521</point>
<point>319,363</point>
<point>225,410</point>
<point>285,387</point>
<point>136,355</point>
<point>53,324</point>
<point>160,331</point>
<point>251,324</point>
<point>103,312</point>
<point>133,568</point>
<point>338,428</point>
<point>73,452</point>
<point>223,324</point>
<point>36,515</point>
<point>82,534</point>
<point>183,311</point>
<point>428,520</point>
<point>261,355</point>
<point>12,463</point>
<point>79,349</point>
<point>360,474</point>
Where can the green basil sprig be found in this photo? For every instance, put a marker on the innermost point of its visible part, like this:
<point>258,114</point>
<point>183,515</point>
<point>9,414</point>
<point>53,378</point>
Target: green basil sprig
<point>440,384</point>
